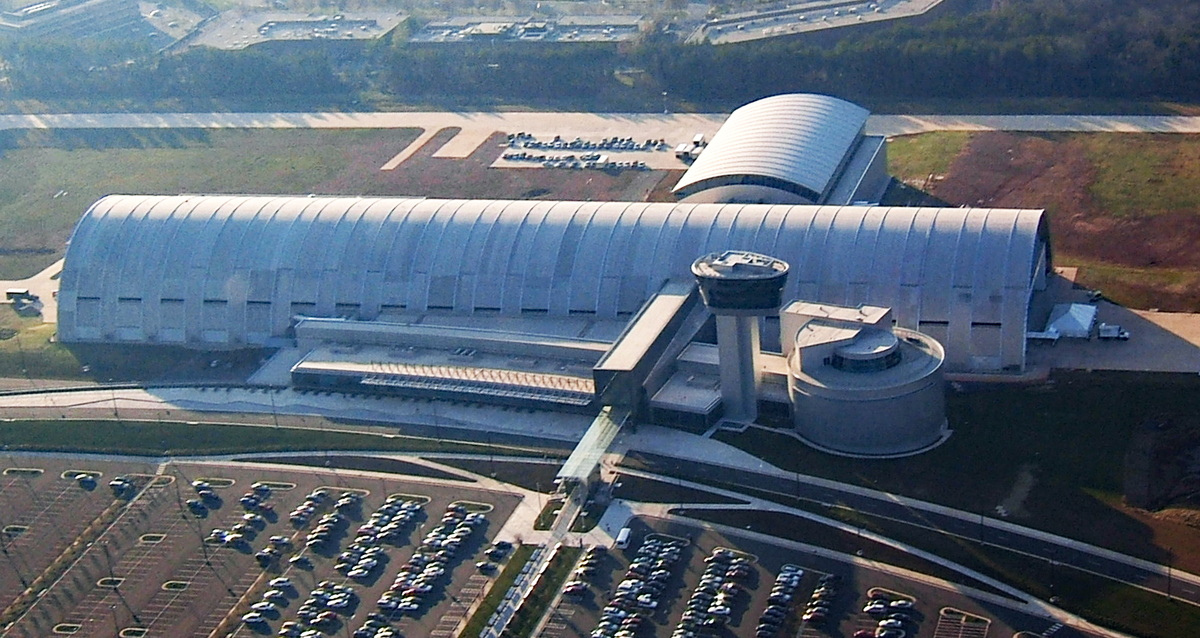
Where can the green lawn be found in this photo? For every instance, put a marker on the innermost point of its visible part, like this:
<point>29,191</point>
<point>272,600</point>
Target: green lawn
<point>27,349</point>
<point>1071,436</point>
<point>159,438</point>
<point>535,604</point>
<point>1138,175</point>
<point>1173,289</point>
<point>913,158</point>
<point>49,178</point>
<point>495,595</point>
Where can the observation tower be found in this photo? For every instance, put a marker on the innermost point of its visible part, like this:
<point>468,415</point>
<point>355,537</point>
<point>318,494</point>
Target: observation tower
<point>740,288</point>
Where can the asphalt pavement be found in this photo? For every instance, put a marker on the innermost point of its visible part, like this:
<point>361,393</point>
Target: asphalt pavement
<point>1057,550</point>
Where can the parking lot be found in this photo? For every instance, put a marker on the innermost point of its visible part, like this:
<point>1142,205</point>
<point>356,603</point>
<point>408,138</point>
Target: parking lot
<point>188,553</point>
<point>197,549</point>
<point>526,150</point>
<point>728,586</point>
<point>43,509</point>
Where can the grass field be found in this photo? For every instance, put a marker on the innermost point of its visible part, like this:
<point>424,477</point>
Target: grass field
<point>27,349</point>
<point>1144,174</point>
<point>1122,207</point>
<point>1071,437</point>
<point>913,158</point>
<point>1137,287</point>
<point>531,476</point>
<point>182,439</point>
<point>1135,174</point>
<point>49,178</point>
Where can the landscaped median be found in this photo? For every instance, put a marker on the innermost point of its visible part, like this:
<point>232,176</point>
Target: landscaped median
<point>158,438</point>
<point>534,606</point>
<point>495,595</point>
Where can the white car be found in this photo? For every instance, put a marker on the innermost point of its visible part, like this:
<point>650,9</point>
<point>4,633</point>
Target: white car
<point>253,618</point>
<point>338,602</point>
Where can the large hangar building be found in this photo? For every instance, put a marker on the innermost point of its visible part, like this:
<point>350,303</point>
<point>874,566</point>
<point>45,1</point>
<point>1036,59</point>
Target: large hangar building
<point>790,149</point>
<point>234,271</point>
<point>572,305</point>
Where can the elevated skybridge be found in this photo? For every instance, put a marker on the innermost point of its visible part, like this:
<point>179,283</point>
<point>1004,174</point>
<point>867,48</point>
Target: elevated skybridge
<point>584,460</point>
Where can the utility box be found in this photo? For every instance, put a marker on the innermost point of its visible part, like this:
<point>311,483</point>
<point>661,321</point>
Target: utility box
<point>1112,332</point>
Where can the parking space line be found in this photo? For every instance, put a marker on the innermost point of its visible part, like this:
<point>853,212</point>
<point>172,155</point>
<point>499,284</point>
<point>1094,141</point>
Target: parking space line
<point>955,623</point>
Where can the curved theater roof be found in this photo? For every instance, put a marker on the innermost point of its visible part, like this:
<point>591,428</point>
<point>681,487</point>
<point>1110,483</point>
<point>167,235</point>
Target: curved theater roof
<point>792,140</point>
<point>236,269</point>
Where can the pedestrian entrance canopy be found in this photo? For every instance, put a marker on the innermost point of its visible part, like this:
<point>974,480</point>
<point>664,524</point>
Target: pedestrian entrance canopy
<point>1072,320</point>
<point>586,457</point>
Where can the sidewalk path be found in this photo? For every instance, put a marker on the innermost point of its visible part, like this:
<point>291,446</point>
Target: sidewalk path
<point>909,124</point>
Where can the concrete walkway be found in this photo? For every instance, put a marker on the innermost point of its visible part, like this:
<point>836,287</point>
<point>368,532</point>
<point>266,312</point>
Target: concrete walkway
<point>672,124</point>
<point>909,124</point>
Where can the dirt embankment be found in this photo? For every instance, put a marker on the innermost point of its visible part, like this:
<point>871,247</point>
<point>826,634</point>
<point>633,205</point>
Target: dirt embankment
<point>1162,469</point>
<point>1054,172</point>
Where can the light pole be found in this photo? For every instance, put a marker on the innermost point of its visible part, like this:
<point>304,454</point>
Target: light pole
<point>4,543</point>
<point>1170,559</point>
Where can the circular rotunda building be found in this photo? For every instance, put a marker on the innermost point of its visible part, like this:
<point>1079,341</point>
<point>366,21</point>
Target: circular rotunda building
<point>860,386</point>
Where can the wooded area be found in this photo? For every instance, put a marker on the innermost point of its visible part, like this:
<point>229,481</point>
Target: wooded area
<point>1020,48</point>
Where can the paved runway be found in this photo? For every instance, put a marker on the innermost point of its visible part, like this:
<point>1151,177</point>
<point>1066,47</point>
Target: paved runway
<point>675,128</point>
<point>653,125</point>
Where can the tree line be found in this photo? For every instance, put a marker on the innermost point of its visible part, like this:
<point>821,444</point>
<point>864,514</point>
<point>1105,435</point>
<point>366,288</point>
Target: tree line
<point>1020,48</point>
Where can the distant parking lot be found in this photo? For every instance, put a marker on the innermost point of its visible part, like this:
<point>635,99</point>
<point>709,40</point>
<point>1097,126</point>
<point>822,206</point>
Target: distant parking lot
<point>180,563</point>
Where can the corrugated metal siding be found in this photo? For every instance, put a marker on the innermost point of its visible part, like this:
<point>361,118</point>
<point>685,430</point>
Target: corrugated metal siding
<point>335,256</point>
<point>798,138</point>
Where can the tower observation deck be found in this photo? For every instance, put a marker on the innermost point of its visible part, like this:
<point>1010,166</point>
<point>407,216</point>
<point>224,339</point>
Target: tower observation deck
<point>739,287</point>
<point>739,282</point>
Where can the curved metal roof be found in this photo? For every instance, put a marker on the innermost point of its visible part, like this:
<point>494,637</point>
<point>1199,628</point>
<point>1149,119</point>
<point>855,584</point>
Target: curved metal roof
<point>234,269</point>
<point>798,139</point>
